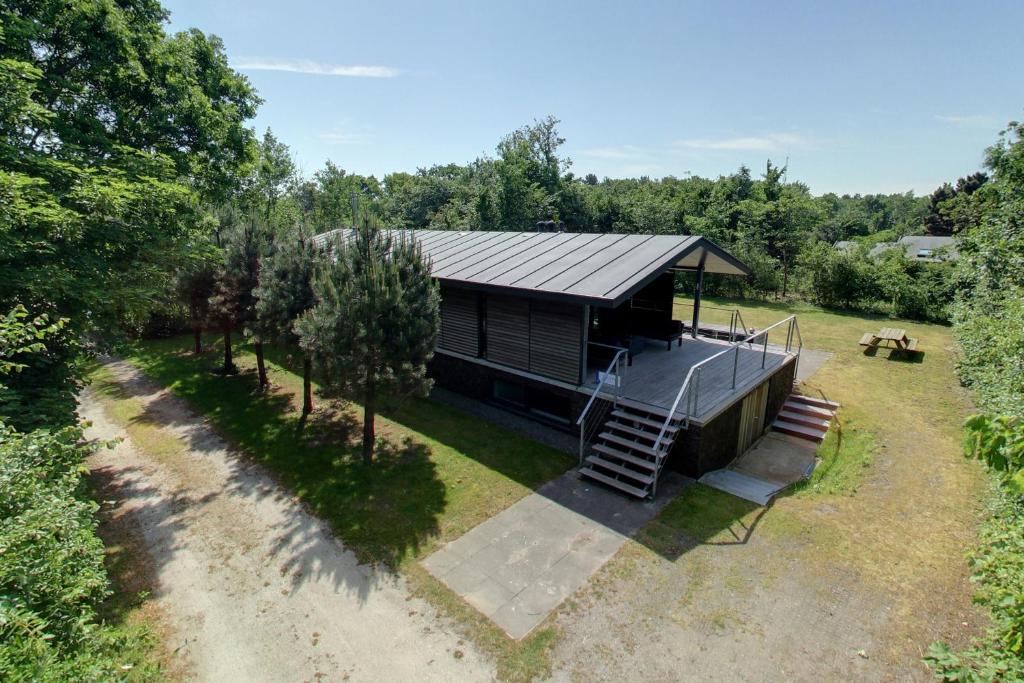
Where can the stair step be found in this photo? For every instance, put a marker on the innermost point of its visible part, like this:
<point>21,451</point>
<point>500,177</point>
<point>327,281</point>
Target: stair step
<point>608,436</point>
<point>805,420</point>
<point>805,409</point>
<point>598,461</point>
<point>818,402</point>
<point>632,417</point>
<point>647,408</point>
<point>649,435</point>
<point>613,482</point>
<point>625,457</point>
<point>800,431</point>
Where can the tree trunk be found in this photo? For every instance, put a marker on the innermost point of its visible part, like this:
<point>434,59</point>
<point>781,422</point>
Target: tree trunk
<point>785,276</point>
<point>307,385</point>
<point>228,362</point>
<point>368,433</point>
<point>197,337</point>
<point>261,366</point>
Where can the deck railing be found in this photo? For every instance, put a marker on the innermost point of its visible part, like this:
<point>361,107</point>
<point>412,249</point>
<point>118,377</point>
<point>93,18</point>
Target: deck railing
<point>690,387</point>
<point>737,329</point>
<point>592,418</point>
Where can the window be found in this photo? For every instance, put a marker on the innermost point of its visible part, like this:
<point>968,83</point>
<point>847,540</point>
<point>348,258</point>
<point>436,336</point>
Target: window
<point>924,253</point>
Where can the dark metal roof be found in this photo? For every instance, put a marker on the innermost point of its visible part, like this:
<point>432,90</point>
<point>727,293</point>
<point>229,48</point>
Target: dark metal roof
<point>598,269</point>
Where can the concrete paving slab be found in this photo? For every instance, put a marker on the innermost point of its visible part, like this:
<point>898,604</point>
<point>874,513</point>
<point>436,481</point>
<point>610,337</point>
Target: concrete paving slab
<point>811,360</point>
<point>778,458</point>
<point>522,563</point>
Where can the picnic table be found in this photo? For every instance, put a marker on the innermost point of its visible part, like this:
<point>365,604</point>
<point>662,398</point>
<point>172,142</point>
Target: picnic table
<point>895,335</point>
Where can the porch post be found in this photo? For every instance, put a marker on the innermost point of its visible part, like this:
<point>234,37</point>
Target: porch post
<point>696,294</point>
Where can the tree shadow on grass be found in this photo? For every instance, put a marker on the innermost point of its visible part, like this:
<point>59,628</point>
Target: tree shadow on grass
<point>520,458</point>
<point>382,512</point>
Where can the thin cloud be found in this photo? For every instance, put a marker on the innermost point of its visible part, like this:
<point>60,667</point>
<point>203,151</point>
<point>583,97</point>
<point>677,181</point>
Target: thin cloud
<point>306,66</point>
<point>966,120</point>
<point>773,142</point>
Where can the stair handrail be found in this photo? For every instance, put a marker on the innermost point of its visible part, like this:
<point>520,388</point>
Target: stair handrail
<point>614,369</point>
<point>683,388</point>
<point>742,324</point>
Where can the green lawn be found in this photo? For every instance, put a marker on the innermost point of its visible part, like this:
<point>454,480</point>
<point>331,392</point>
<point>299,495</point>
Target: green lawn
<point>895,445</point>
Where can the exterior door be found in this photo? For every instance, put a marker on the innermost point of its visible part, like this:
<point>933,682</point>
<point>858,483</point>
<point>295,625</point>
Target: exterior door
<point>752,418</point>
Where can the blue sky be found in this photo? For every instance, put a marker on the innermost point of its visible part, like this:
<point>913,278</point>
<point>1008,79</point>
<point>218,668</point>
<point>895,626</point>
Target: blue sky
<point>860,96</point>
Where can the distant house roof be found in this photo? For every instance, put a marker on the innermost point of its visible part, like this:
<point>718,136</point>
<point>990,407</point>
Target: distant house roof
<point>598,269</point>
<point>845,245</point>
<point>920,247</point>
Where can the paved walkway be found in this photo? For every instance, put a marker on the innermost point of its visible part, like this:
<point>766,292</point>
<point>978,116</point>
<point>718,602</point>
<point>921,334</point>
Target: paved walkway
<point>521,564</point>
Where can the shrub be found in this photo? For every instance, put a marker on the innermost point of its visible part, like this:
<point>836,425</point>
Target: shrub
<point>52,577</point>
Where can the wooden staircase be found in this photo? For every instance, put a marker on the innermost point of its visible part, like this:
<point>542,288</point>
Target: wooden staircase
<point>805,417</point>
<point>623,454</point>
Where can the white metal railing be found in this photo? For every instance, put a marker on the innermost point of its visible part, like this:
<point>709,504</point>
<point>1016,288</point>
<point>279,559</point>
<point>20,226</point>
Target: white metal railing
<point>616,370</point>
<point>737,327</point>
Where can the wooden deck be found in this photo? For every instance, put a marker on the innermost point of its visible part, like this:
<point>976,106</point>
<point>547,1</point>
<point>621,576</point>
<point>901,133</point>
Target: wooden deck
<point>657,374</point>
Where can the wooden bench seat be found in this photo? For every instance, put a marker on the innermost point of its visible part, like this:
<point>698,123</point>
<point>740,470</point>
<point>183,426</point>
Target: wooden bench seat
<point>911,346</point>
<point>867,339</point>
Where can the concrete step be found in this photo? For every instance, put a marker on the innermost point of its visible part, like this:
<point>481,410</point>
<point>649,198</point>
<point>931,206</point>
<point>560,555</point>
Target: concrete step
<point>647,422</point>
<point>633,445</point>
<point>817,402</point>
<point>598,461</point>
<point>613,482</point>
<point>805,409</point>
<point>800,431</point>
<point>805,420</point>
<point>625,457</point>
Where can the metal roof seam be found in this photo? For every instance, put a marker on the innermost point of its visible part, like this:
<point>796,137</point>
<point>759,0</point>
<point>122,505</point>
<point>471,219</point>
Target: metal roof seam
<point>478,248</point>
<point>586,258</point>
<point>527,244</point>
<point>600,266</point>
<point>519,265</point>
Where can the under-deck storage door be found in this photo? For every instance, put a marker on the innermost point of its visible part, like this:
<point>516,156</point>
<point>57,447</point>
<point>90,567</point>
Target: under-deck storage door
<point>508,331</point>
<point>752,418</point>
<point>460,326</point>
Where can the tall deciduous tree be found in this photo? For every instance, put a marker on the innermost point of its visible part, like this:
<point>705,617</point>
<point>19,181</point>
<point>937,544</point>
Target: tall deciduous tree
<point>376,320</point>
<point>284,293</point>
<point>110,133</point>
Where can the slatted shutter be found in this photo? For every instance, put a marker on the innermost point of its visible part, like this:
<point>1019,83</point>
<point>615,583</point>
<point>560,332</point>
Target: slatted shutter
<point>555,331</point>
<point>508,331</point>
<point>459,321</point>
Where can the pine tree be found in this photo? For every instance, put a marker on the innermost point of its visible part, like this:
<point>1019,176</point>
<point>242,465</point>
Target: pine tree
<point>194,284</point>
<point>284,293</point>
<point>376,320</point>
<point>232,306</point>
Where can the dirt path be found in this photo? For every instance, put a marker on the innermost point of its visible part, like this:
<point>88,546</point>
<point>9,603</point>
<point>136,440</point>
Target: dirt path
<point>251,586</point>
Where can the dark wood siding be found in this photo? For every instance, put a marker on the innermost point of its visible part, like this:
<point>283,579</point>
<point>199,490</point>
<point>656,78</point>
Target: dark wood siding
<point>508,331</point>
<point>460,325</point>
<point>555,331</point>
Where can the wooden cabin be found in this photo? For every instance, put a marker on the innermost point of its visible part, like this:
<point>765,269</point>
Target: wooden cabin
<point>578,331</point>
